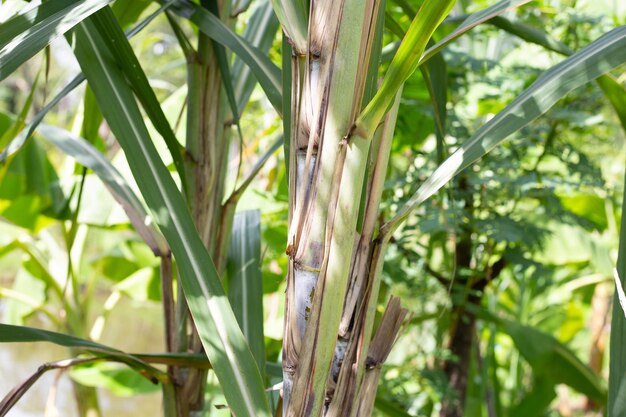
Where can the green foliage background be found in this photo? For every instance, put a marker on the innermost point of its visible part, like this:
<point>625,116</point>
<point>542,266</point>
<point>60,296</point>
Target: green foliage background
<point>545,206</point>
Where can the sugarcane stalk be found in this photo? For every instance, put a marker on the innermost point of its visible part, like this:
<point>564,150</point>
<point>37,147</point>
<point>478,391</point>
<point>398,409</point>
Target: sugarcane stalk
<point>330,165</point>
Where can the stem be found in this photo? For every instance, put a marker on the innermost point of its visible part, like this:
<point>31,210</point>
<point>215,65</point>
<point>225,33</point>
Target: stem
<point>86,400</point>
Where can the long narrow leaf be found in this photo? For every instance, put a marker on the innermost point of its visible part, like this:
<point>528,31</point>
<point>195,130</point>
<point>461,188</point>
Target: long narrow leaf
<point>217,326</point>
<point>25,39</point>
<point>617,360</point>
<point>27,132</point>
<point>245,282</point>
<point>23,334</point>
<point>530,34</point>
<point>118,44</point>
<point>613,90</point>
<point>293,16</point>
<point>488,14</point>
<point>471,22</point>
<point>88,156</point>
<point>224,66</point>
<point>552,360</point>
<point>264,70</point>
<point>260,32</point>
<point>599,57</point>
<point>403,64</point>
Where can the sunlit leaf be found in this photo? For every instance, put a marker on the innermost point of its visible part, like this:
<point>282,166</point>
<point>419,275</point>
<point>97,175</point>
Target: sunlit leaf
<point>222,339</point>
<point>24,35</point>
<point>599,57</point>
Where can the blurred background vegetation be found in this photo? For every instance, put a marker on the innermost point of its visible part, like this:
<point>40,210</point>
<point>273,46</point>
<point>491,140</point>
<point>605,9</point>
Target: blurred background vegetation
<point>507,272</point>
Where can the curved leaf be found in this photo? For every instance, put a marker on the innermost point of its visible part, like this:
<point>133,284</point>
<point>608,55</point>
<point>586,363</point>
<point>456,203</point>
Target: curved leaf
<point>552,360</point>
<point>260,31</point>
<point>88,156</point>
<point>24,35</point>
<point>471,22</point>
<point>265,71</point>
<point>404,63</point>
<point>602,55</point>
<point>118,45</point>
<point>222,339</point>
<point>24,334</point>
<point>27,132</point>
<point>245,282</point>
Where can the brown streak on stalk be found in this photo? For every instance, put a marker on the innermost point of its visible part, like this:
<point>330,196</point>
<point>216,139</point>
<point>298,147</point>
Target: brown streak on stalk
<point>365,52</point>
<point>291,338</point>
<point>386,336</point>
<point>322,49</point>
<point>306,370</point>
<point>171,342</point>
<point>350,380</point>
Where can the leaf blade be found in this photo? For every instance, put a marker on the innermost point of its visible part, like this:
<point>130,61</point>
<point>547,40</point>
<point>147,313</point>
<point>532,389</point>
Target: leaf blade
<point>599,57</point>
<point>24,42</point>
<point>214,318</point>
<point>266,72</point>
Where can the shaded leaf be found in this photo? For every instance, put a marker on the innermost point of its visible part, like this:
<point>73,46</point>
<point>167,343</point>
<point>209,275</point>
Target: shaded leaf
<point>602,55</point>
<point>222,339</point>
<point>24,35</point>
<point>245,282</point>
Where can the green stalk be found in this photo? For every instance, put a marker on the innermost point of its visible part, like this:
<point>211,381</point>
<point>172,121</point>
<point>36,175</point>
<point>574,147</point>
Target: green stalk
<point>205,128</point>
<point>327,182</point>
<point>86,400</point>
<point>361,298</point>
<point>617,362</point>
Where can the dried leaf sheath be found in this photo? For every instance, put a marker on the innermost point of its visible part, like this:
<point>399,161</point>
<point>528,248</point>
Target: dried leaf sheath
<point>327,181</point>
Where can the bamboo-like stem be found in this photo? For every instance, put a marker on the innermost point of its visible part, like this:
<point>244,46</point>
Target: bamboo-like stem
<point>359,308</point>
<point>381,153</point>
<point>206,159</point>
<point>171,339</point>
<point>330,166</point>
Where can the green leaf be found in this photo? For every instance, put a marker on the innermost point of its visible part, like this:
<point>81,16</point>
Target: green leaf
<point>24,35</point>
<point>23,334</point>
<point>616,94</point>
<point>537,401</point>
<point>32,184</point>
<point>92,117</point>
<point>530,34</point>
<point>613,90</point>
<point>88,156</point>
<point>294,18</point>
<point>591,207</point>
<point>264,70</point>
<point>435,73</point>
<point>10,334</point>
<point>618,405</point>
<point>617,347</point>
<point>120,48</point>
<point>245,282</point>
<point>286,80</point>
<point>128,11</point>
<point>403,64</point>
<point>27,286</point>
<point>27,132</point>
<point>388,408</point>
<point>260,32</point>
<point>118,379</point>
<point>471,22</point>
<point>217,326</point>
<point>552,360</point>
<point>602,55</point>
<point>142,285</point>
